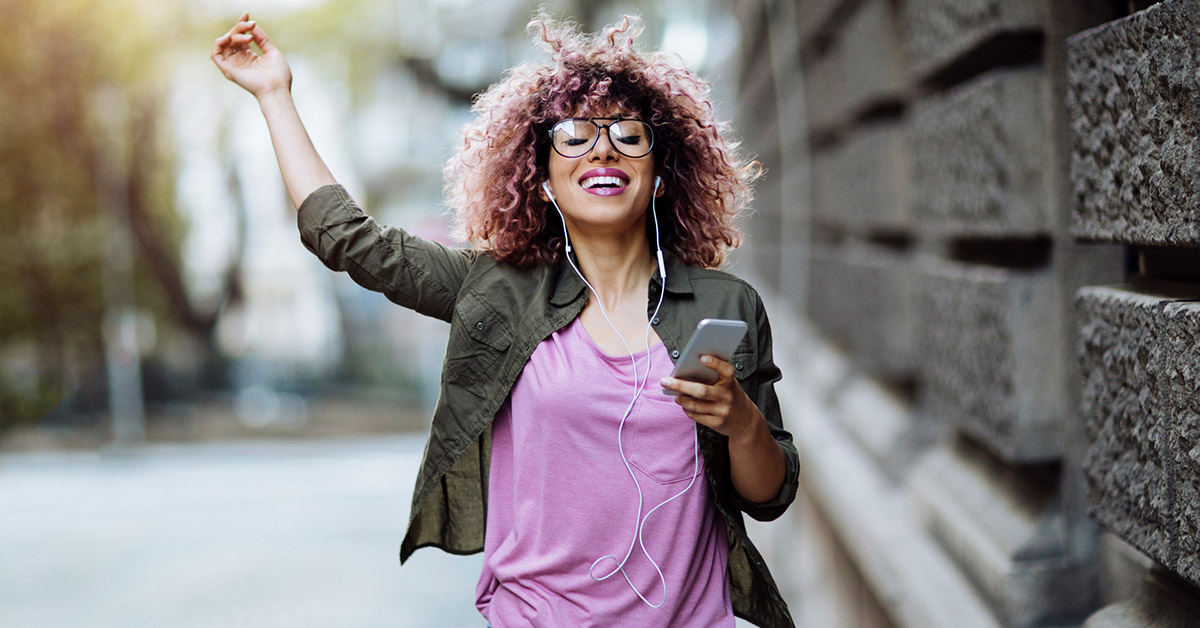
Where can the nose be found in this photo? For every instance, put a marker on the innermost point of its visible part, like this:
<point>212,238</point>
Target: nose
<point>603,149</point>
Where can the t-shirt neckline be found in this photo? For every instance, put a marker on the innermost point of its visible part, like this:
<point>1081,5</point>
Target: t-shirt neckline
<point>577,328</point>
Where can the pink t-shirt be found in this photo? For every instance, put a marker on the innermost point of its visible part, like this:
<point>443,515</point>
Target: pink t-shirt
<point>559,497</point>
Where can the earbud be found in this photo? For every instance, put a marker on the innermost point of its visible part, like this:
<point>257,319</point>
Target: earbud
<point>662,266</point>
<point>566,236</point>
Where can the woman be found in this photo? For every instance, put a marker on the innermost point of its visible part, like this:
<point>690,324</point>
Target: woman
<point>599,197</point>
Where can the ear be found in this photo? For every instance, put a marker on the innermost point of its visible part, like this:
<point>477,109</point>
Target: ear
<point>541,192</point>
<point>660,190</point>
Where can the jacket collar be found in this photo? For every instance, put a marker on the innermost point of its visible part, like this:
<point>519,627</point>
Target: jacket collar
<point>568,285</point>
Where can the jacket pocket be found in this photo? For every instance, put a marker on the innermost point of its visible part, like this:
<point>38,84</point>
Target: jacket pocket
<point>479,335</point>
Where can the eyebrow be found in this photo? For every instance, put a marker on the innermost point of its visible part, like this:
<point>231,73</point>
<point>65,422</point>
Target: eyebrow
<point>617,117</point>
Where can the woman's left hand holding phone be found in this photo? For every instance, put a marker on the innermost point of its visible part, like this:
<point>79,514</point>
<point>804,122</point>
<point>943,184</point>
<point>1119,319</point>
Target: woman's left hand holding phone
<point>723,405</point>
<point>757,464</point>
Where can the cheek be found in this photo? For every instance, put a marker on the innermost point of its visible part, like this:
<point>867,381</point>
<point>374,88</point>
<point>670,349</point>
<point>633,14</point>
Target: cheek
<point>558,173</point>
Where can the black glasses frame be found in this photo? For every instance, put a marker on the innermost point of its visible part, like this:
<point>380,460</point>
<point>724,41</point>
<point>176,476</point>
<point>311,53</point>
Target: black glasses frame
<point>607,131</point>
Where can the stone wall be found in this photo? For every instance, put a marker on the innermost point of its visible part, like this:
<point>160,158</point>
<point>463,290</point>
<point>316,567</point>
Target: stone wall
<point>972,173</point>
<point>1134,103</point>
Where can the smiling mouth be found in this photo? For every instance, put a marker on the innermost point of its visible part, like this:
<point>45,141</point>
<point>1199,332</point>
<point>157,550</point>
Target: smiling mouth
<point>606,183</point>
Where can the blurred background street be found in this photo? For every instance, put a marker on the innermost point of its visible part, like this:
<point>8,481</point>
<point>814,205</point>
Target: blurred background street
<point>200,425</point>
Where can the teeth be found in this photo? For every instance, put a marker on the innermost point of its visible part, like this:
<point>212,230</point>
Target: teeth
<point>592,182</point>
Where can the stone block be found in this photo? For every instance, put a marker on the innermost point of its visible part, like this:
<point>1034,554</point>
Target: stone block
<point>1006,530</point>
<point>990,356</point>
<point>1126,464</point>
<point>1140,359</point>
<point>979,156</point>
<point>814,17</point>
<point>828,302</point>
<point>1134,104</point>
<point>943,31</point>
<point>1181,378</point>
<point>873,58</point>
<point>863,68</point>
<point>861,299</point>
<point>825,91</point>
<point>861,186</point>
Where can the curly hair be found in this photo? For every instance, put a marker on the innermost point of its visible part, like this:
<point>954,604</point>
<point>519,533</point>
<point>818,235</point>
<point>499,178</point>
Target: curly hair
<point>492,181</point>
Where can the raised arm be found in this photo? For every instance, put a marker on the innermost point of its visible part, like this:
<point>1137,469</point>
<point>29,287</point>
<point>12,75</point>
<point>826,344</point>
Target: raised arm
<point>269,79</point>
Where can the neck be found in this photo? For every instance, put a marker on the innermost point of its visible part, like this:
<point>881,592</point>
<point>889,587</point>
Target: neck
<point>616,268</point>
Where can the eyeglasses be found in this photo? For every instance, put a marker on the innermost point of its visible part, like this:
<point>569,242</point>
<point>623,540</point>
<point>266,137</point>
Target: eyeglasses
<point>574,137</point>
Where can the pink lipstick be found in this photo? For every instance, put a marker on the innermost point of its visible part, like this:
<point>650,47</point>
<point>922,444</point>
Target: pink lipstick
<point>604,181</point>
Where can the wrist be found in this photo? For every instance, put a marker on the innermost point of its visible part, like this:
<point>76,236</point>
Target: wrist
<point>274,94</point>
<point>752,430</point>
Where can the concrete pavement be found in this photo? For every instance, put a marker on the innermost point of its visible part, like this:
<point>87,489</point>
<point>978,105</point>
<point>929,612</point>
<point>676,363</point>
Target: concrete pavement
<point>292,534</point>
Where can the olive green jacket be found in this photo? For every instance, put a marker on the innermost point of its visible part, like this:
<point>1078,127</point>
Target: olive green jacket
<point>498,314</point>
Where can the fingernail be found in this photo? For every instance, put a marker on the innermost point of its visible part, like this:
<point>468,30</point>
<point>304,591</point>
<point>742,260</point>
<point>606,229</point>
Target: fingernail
<point>706,359</point>
<point>666,381</point>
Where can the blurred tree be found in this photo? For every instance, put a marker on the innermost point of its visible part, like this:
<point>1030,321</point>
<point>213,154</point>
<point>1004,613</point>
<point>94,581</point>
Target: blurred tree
<point>55,58</point>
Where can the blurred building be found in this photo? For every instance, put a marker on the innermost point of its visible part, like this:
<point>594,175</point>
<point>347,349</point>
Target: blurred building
<point>980,223</point>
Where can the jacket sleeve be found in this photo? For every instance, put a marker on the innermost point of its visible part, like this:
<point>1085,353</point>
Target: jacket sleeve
<point>419,274</point>
<point>768,403</point>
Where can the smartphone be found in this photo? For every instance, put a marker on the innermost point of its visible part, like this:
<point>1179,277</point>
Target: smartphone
<point>717,337</point>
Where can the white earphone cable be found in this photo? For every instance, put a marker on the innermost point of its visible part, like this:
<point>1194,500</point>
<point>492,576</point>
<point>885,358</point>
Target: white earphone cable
<point>639,386</point>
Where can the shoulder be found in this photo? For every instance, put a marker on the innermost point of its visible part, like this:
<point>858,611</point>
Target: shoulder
<point>488,271</point>
<point>508,288</point>
<point>720,294</point>
<point>710,282</point>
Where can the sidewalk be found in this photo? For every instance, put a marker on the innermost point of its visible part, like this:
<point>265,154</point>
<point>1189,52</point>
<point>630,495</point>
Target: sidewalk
<point>293,534</point>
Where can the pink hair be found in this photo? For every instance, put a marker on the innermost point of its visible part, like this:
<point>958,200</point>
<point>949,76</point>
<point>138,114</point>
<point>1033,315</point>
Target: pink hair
<point>493,179</point>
